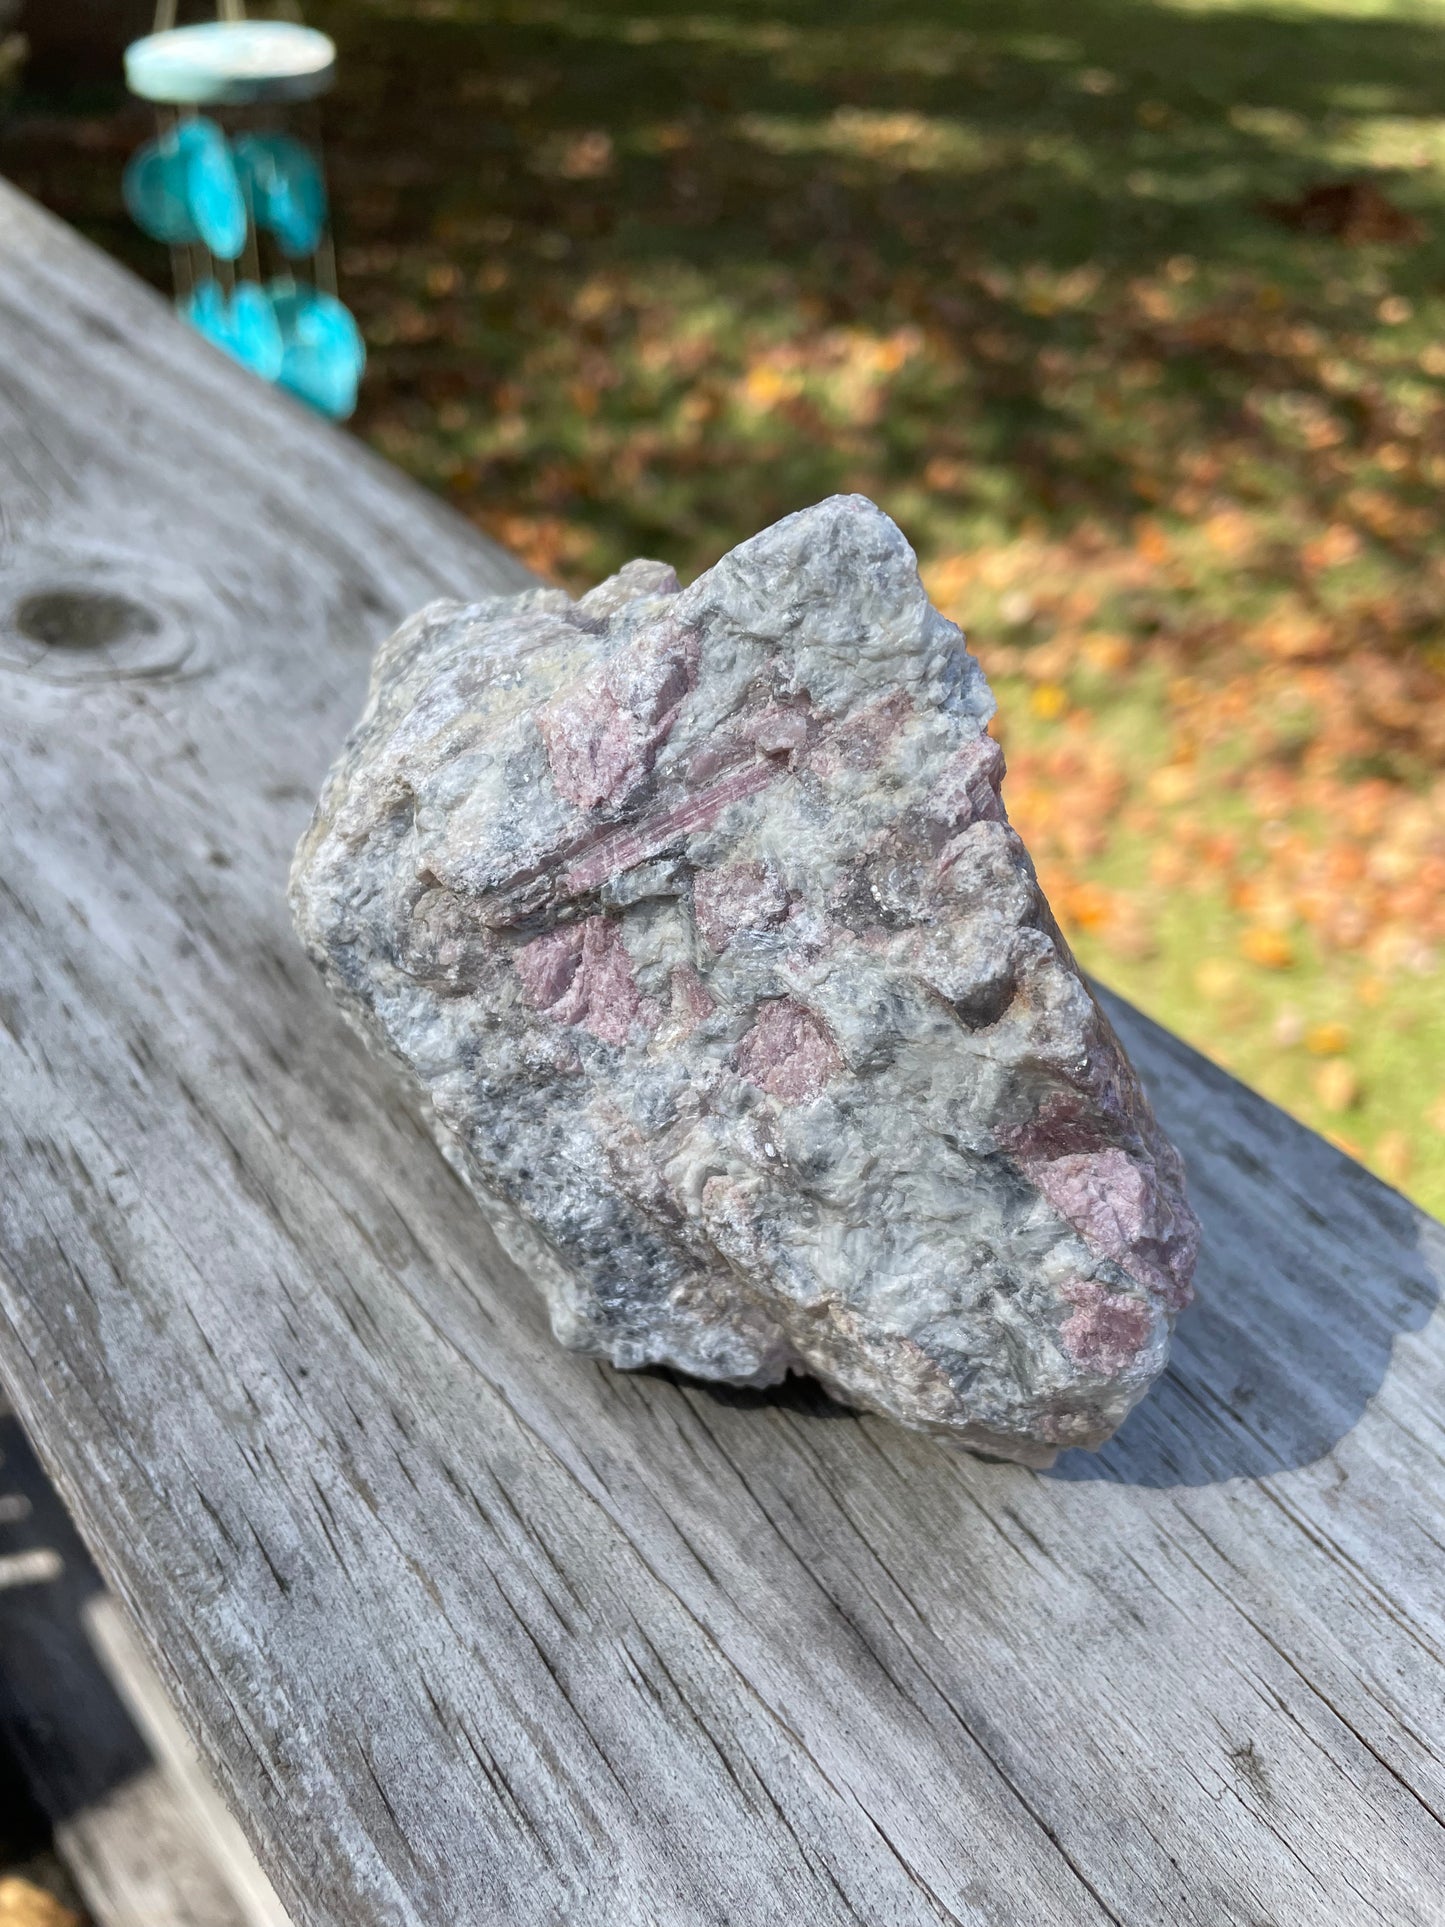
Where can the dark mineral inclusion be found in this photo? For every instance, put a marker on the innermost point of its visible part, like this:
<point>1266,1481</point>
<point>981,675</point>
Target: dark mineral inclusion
<point>698,915</point>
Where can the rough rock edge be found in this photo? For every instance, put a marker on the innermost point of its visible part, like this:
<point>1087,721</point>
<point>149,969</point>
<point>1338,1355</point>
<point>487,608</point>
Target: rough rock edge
<point>620,717</point>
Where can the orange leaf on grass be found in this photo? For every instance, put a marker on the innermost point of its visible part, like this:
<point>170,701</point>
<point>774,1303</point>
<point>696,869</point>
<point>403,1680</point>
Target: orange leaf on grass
<point>1107,654</point>
<point>1271,949</point>
<point>1174,783</point>
<point>1394,1156</point>
<point>1088,906</point>
<point>1327,1040</point>
<point>1337,1085</point>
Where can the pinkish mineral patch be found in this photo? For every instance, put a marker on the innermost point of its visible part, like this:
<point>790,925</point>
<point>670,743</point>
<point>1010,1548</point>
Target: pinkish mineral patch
<point>788,1053</point>
<point>1106,1330</point>
<point>582,974</point>
<point>700,917</point>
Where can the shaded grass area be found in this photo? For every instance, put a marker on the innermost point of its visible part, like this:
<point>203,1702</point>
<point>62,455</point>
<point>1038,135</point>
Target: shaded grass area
<point>638,279</point>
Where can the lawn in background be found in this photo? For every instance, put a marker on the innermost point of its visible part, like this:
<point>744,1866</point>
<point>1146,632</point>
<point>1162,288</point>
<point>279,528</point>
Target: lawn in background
<point>1049,283</point>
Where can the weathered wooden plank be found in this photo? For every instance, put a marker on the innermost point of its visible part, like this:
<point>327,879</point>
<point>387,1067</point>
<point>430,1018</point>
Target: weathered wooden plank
<point>197,1807</point>
<point>472,1630</point>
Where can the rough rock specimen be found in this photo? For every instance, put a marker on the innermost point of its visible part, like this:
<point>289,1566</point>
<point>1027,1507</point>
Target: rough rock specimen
<point>699,917</point>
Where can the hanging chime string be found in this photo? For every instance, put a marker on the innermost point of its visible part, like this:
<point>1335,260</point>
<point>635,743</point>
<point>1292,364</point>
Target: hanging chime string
<point>323,260</point>
<point>183,274</point>
<point>251,260</point>
<point>228,10</point>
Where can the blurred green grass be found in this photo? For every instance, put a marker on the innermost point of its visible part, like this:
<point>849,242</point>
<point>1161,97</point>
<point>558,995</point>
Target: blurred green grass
<point>639,279</point>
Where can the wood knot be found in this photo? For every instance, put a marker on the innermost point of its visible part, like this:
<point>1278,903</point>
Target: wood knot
<point>98,616</point>
<point>81,619</point>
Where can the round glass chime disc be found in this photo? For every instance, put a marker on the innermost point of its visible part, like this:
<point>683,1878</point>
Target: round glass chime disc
<point>227,63</point>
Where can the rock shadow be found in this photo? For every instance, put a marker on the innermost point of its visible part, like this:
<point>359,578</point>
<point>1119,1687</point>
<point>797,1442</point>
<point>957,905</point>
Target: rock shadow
<point>1310,1270</point>
<point>797,1393</point>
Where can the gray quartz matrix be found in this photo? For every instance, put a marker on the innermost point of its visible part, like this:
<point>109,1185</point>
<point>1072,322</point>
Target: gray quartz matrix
<point>698,915</point>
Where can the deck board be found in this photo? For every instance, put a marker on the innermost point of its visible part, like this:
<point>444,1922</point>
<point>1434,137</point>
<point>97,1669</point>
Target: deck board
<point>471,1630</point>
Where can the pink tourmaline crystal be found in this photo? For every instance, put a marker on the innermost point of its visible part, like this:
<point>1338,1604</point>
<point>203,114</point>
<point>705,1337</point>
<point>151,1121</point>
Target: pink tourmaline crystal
<point>698,914</point>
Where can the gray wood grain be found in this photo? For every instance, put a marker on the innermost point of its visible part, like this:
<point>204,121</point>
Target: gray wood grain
<point>474,1631</point>
<point>197,1809</point>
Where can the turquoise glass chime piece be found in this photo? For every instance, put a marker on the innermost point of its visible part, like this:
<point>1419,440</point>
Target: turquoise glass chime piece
<point>244,323</point>
<point>322,354</point>
<point>284,187</point>
<point>229,195</point>
<point>183,188</point>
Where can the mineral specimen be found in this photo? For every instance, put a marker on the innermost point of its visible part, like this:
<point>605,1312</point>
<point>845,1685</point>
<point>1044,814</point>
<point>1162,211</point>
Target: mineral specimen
<point>699,917</point>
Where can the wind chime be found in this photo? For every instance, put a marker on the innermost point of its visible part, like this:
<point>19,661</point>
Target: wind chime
<point>226,184</point>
